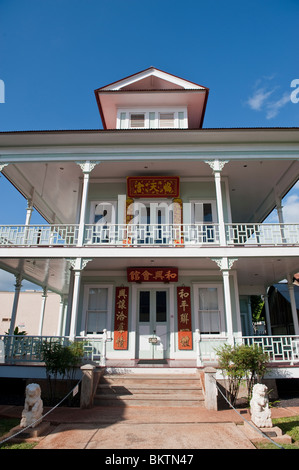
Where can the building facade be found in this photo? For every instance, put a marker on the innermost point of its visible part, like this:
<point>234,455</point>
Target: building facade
<point>154,235</point>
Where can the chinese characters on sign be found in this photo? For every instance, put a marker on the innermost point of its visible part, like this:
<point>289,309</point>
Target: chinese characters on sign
<point>121,318</point>
<point>152,274</point>
<point>184,318</point>
<point>153,186</point>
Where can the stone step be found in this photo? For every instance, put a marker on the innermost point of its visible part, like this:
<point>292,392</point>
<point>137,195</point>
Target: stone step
<point>151,379</point>
<point>147,400</point>
<point>149,390</point>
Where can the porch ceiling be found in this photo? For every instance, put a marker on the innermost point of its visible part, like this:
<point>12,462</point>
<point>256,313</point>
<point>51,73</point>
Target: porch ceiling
<point>56,186</point>
<point>53,273</point>
<point>254,274</point>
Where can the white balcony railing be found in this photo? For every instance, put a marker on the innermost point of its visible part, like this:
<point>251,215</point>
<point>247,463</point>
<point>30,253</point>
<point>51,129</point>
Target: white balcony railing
<point>44,235</point>
<point>28,349</point>
<point>262,234</point>
<point>154,234</point>
<point>279,348</point>
<point>150,235</point>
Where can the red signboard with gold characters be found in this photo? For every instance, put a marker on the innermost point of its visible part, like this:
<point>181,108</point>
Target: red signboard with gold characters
<point>153,186</point>
<point>184,318</point>
<point>152,274</point>
<point>121,318</point>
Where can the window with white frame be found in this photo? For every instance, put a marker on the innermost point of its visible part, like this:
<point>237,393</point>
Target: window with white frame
<point>137,120</point>
<point>208,304</point>
<point>152,118</point>
<point>166,120</point>
<point>97,309</point>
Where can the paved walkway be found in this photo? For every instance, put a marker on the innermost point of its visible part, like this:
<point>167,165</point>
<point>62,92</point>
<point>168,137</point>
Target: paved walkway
<point>145,427</point>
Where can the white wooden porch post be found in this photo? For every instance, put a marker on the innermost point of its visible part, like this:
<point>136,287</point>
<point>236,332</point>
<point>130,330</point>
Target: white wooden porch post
<point>28,211</point>
<point>225,265</point>
<point>61,317</point>
<point>217,166</point>
<point>18,286</point>
<point>86,168</point>
<point>267,313</point>
<point>78,265</point>
<point>42,313</point>
<point>293,304</point>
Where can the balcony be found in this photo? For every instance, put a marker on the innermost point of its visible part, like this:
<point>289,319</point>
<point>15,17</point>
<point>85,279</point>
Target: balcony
<point>168,235</point>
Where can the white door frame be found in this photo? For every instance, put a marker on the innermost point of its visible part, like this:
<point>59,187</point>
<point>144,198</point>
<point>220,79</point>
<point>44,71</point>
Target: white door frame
<point>154,285</point>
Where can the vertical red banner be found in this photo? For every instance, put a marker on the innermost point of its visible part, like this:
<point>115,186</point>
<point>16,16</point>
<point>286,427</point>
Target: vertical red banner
<point>184,318</point>
<point>121,318</point>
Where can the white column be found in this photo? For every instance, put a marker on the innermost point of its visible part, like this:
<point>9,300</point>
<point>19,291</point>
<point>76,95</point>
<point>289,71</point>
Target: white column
<point>86,168</point>
<point>293,304</point>
<point>249,319</point>
<point>217,167</point>
<point>18,286</point>
<point>228,305</point>
<point>61,316</point>
<point>225,265</point>
<point>279,208</point>
<point>78,265</point>
<point>267,313</point>
<point>75,303</point>
<point>28,211</point>
<point>42,313</point>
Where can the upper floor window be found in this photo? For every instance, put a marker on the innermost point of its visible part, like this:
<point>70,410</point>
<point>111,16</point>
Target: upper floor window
<point>137,120</point>
<point>157,118</point>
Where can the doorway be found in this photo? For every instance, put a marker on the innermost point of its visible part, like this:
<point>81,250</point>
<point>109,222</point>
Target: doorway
<point>153,323</point>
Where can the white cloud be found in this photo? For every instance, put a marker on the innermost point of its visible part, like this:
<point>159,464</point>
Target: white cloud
<point>267,98</point>
<point>274,107</point>
<point>259,97</point>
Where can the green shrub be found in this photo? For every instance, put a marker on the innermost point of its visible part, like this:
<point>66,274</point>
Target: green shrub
<point>61,362</point>
<point>241,363</point>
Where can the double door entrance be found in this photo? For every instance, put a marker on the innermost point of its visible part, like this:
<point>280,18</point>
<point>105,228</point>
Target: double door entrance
<point>153,323</point>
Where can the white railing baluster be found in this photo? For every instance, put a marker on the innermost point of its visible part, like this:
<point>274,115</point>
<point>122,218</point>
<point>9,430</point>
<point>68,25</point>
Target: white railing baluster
<point>262,234</point>
<point>32,235</point>
<point>279,348</point>
<point>237,234</point>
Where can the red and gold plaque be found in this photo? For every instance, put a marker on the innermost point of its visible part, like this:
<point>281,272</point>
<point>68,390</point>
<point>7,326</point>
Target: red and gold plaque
<point>121,318</point>
<point>153,186</point>
<point>184,318</point>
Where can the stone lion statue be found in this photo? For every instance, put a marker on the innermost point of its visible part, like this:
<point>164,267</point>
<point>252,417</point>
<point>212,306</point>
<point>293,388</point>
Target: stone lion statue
<point>33,408</point>
<point>259,407</point>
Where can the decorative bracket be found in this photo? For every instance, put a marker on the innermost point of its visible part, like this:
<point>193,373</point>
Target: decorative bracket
<point>78,264</point>
<point>87,166</point>
<point>224,264</point>
<point>216,165</point>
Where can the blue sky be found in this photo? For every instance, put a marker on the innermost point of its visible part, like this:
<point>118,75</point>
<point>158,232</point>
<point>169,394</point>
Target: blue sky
<point>55,53</point>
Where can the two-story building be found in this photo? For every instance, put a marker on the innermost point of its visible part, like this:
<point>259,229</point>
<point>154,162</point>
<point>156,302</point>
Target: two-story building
<point>154,233</point>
